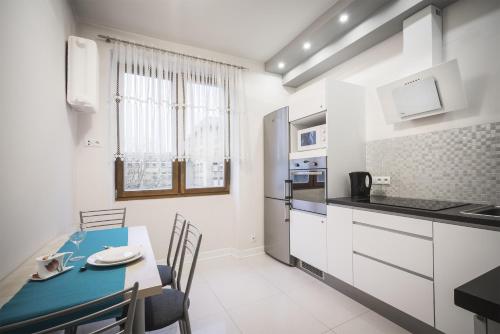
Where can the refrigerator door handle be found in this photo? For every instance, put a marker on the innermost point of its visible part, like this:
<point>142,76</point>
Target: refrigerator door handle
<point>287,189</point>
<point>287,207</point>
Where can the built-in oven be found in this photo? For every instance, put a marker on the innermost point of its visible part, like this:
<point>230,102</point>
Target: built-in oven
<point>309,184</point>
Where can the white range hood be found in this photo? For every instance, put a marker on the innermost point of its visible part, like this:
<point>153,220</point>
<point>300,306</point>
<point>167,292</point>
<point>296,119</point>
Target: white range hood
<point>435,87</point>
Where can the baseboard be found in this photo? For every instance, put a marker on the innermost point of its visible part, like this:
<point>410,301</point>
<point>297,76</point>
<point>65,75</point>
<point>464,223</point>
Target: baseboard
<point>223,252</point>
<point>215,253</point>
<point>242,253</point>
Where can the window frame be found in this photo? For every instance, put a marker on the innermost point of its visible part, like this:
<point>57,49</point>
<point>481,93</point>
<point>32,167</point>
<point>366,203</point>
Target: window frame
<point>209,190</point>
<point>178,171</point>
<point>178,184</point>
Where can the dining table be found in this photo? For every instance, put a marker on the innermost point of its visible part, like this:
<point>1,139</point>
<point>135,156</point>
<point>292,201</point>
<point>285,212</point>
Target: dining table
<point>76,286</point>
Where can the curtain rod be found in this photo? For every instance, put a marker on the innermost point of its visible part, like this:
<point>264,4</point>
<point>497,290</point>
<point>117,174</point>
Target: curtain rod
<point>109,39</point>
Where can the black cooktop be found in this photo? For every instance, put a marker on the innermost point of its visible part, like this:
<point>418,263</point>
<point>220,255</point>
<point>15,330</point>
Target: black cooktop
<point>413,203</point>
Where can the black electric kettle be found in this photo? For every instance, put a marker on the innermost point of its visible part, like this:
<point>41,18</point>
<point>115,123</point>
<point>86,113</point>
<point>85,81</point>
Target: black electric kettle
<point>361,183</point>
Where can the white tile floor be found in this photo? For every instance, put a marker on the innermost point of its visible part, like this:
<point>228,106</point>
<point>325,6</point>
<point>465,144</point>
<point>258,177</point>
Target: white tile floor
<point>258,295</point>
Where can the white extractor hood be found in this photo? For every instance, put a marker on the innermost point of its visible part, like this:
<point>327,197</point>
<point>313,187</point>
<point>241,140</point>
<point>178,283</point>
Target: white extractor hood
<point>433,89</point>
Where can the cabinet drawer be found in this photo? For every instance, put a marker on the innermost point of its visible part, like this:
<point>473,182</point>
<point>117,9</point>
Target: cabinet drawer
<point>405,251</point>
<point>308,238</point>
<point>393,222</point>
<point>407,292</point>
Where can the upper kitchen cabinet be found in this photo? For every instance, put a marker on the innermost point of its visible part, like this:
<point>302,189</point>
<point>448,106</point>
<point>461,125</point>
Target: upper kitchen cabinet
<point>308,101</point>
<point>345,119</point>
<point>334,111</point>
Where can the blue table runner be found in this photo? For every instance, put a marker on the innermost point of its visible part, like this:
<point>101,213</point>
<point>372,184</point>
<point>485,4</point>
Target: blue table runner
<point>72,287</point>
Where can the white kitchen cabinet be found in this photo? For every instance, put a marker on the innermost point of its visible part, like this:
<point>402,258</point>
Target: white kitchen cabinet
<point>410,293</point>
<point>393,261</point>
<point>339,242</point>
<point>460,255</point>
<point>308,238</point>
<point>394,222</point>
<point>307,101</point>
<point>345,120</point>
<point>341,106</point>
<point>410,252</point>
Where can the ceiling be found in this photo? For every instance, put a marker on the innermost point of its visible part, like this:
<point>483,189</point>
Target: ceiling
<point>253,29</point>
<point>323,31</point>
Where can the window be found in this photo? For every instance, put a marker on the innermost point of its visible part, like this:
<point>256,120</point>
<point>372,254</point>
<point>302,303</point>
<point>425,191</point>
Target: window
<point>204,128</point>
<point>173,125</point>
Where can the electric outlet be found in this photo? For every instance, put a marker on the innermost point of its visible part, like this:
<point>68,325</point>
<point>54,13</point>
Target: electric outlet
<point>385,180</point>
<point>93,143</point>
<point>252,237</point>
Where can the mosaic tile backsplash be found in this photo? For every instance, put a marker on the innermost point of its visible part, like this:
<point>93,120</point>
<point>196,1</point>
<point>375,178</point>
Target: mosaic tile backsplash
<point>457,164</point>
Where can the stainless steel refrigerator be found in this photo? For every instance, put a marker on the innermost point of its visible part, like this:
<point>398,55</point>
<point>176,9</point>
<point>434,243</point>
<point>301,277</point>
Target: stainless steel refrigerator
<point>277,186</point>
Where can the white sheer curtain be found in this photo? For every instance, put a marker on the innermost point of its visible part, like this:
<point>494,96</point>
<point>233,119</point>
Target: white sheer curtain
<point>210,95</point>
<point>146,86</point>
<point>173,107</point>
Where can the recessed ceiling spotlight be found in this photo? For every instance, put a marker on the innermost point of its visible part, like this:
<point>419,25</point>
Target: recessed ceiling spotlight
<point>281,65</point>
<point>306,46</point>
<point>343,18</point>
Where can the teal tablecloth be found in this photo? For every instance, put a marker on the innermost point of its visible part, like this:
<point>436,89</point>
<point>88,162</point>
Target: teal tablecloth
<point>73,287</point>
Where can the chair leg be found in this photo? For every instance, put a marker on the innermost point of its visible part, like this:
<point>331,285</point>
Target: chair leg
<point>181,327</point>
<point>186,321</point>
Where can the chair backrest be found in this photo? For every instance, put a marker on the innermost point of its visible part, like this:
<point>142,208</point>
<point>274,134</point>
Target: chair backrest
<point>124,300</point>
<point>177,233</point>
<point>191,245</point>
<point>102,218</point>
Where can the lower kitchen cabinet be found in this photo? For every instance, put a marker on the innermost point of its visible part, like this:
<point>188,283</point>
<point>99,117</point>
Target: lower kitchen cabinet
<point>393,261</point>
<point>308,238</point>
<point>410,293</point>
<point>339,242</point>
<point>409,263</point>
<point>409,252</point>
<point>460,255</point>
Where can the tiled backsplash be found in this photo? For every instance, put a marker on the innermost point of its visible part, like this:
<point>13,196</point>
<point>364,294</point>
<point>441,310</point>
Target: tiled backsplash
<point>458,164</point>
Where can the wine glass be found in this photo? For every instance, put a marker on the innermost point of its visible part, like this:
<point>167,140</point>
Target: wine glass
<point>77,239</point>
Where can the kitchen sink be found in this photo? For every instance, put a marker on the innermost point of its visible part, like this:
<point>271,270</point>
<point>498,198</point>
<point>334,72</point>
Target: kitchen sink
<point>490,211</point>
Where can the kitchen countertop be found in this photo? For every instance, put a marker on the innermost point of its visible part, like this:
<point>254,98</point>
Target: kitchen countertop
<point>481,295</point>
<point>452,215</point>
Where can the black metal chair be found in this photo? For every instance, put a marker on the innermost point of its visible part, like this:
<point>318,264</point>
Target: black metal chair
<point>172,305</point>
<point>83,313</point>
<point>167,272</point>
<point>96,219</point>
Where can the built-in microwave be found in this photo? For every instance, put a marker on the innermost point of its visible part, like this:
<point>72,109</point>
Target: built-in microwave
<point>312,138</point>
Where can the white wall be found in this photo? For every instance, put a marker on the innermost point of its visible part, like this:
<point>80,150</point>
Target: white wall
<point>470,34</point>
<point>227,221</point>
<point>36,129</point>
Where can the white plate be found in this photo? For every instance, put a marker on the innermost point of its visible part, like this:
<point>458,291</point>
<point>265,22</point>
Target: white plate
<point>117,254</point>
<point>33,278</point>
<point>92,260</point>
